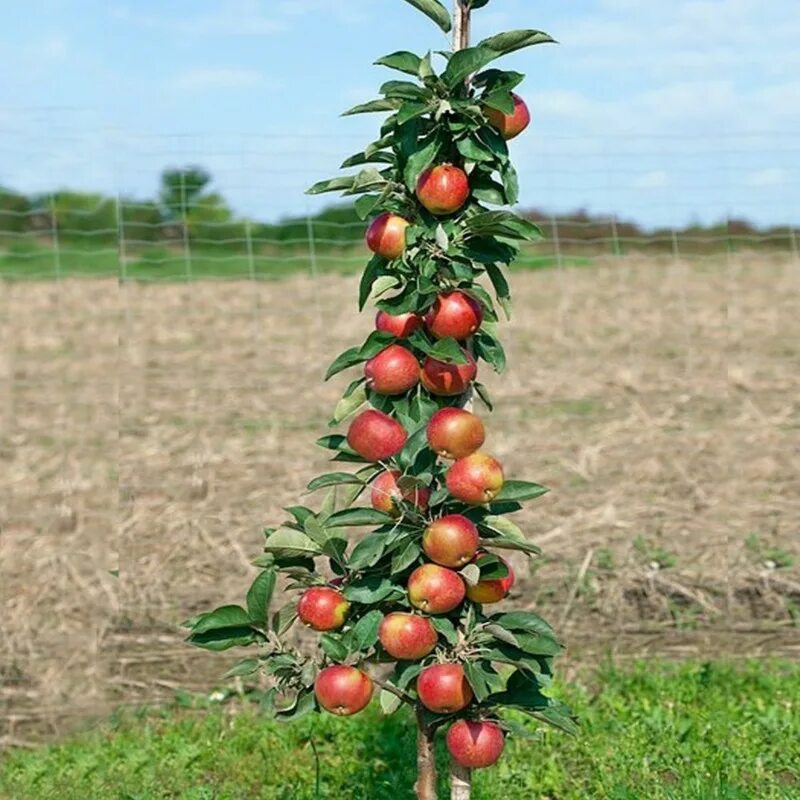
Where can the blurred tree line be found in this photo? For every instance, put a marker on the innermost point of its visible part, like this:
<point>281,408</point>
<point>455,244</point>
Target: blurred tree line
<point>186,206</point>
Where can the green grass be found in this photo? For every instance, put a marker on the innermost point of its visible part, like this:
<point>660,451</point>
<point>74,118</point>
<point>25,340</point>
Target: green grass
<point>38,262</point>
<point>660,731</point>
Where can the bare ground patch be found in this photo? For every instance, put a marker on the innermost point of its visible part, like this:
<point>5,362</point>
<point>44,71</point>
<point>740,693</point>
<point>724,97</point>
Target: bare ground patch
<point>148,432</point>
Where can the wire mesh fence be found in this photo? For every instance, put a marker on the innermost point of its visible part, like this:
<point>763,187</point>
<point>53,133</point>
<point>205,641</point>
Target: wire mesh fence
<point>701,196</point>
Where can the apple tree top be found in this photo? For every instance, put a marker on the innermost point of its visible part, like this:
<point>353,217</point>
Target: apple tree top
<point>411,596</point>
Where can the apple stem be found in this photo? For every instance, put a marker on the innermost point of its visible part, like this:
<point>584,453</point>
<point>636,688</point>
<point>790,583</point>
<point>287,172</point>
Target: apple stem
<point>460,781</point>
<point>425,786</point>
<point>461,25</point>
<point>460,777</point>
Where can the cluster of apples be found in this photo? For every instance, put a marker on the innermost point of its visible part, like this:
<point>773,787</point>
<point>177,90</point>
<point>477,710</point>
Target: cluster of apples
<point>475,478</point>
<point>450,543</point>
<point>396,370</point>
<point>442,189</point>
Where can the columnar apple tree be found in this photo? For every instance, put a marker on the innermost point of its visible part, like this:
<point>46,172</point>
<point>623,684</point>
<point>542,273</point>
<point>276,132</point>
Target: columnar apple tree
<point>401,567</point>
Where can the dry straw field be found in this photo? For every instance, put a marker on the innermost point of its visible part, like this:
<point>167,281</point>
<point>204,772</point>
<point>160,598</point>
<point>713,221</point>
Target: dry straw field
<point>148,431</point>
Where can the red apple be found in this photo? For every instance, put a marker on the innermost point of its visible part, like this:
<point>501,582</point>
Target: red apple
<point>444,689</point>
<point>387,493</point>
<point>322,608</point>
<point>435,589</point>
<point>509,125</point>
<point>476,479</point>
<point>375,436</point>
<point>451,541</point>
<point>343,690</point>
<point>394,370</point>
<point>443,189</point>
<point>491,591</point>
<point>399,325</point>
<point>475,745</point>
<point>454,314</point>
<point>448,380</point>
<point>386,235</point>
<point>407,637</point>
<point>455,433</point>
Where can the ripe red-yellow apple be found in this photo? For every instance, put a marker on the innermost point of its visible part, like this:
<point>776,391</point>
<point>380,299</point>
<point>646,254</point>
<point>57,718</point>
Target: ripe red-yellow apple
<point>476,479</point>
<point>451,541</point>
<point>444,689</point>
<point>510,125</point>
<point>454,314</point>
<point>443,189</point>
<point>399,325</point>
<point>435,589</point>
<point>407,637</point>
<point>387,493</point>
<point>448,380</point>
<point>491,591</point>
<point>475,745</point>
<point>323,608</point>
<point>343,690</point>
<point>455,433</point>
<point>375,436</point>
<point>386,236</point>
<point>394,370</point>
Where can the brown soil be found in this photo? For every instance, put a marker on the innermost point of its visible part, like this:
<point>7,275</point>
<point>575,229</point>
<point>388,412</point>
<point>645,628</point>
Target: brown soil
<point>147,432</point>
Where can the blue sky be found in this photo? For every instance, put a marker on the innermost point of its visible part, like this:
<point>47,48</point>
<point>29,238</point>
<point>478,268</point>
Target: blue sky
<point>658,111</point>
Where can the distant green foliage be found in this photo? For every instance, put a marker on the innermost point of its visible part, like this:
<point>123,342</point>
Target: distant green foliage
<point>662,731</point>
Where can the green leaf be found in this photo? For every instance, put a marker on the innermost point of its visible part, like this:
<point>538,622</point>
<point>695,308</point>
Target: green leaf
<point>359,516</point>
<point>449,351</point>
<point>371,273</point>
<point>436,11</point>
<point>406,90</point>
<point>225,638</point>
<point>402,61</point>
<point>384,104</point>
<point>510,41</point>
<point>473,150</point>
<point>246,666</point>
<point>371,590</point>
<point>476,680</point>
<point>306,703</point>
<point>223,617</point>
<point>367,180</point>
<point>524,621</point>
<point>520,491</point>
<point>464,62</point>
<point>445,627</point>
<point>502,634</point>
<point>366,204</point>
<point>260,594</point>
<point>411,109</point>
<point>334,479</point>
<point>483,394</point>
<point>419,161</point>
<point>389,701</point>
<point>501,99</point>
<point>490,350</point>
<point>333,185</point>
<point>471,574</point>
<point>511,537</point>
<point>367,552</point>
<point>501,287</point>
<point>349,404</point>
<point>405,557</point>
<point>288,542</point>
<point>328,538</point>
<point>558,715</point>
<point>365,631</point>
<point>333,647</point>
<point>284,618</point>
<point>333,442</point>
<point>510,183</point>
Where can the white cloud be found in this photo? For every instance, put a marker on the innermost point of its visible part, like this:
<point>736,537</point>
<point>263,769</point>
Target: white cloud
<point>657,179</point>
<point>207,78</point>
<point>771,176</point>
